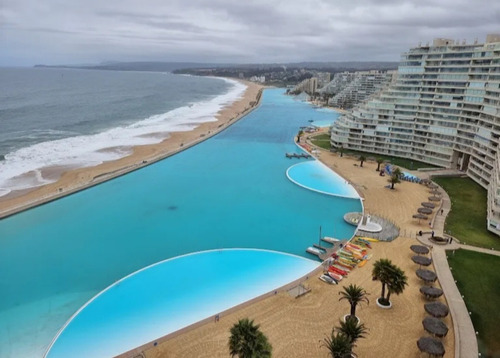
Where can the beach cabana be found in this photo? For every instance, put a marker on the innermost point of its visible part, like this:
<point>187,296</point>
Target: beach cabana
<point>432,346</point>
<point>419,249</point>
<point>434,198</point>
<point>426,211</point>
<point>437,309</point>
<point>426,275</point>
<point>426,204</point>
<point>421,260</point>
<point>431,292</point>
<point>435,326</point>
<point>420,217</point>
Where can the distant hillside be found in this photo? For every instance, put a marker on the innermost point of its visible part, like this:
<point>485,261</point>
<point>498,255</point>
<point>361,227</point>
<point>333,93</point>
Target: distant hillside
<point>184,67</point>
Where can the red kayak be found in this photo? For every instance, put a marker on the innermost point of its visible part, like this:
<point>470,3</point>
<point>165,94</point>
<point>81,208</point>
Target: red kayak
<point>337,270</point>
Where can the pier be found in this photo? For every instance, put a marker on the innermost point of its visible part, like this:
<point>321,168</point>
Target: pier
<point>324,252</point>
<point>296,155</point>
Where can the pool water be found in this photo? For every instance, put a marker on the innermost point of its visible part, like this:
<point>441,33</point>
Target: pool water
<point>315,176</point>
<point>173,294</point>
<point>229,191</point>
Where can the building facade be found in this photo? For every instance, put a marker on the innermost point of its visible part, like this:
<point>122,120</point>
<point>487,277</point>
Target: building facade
<point>443,108</point>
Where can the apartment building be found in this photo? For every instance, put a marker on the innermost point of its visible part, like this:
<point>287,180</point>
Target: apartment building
<point>443,108</point>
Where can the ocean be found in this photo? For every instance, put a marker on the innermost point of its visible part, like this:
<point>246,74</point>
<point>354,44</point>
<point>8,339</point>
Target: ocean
<point>69,117</point>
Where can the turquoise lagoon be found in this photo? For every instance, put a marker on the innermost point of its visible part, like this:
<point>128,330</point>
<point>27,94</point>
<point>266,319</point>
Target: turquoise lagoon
<point>230,191</point>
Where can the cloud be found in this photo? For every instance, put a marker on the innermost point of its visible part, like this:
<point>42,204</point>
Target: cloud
<point>58,31</point>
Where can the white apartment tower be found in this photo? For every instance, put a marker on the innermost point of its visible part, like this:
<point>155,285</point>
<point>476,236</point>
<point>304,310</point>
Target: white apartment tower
<point>443,109</point>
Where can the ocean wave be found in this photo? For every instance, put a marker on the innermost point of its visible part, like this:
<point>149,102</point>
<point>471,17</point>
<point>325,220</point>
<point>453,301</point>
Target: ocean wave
<point>21,169</point>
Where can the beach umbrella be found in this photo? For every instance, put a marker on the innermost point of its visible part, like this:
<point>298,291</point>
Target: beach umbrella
<point>426,275</point>
<point>424,210</point>
<point>421,260</point>
<point>432,346</point>
<point>426,204</point>
<point>419,249</point>
<point>431,292</point>
<point>434,198</point>
<point>435,191</point>
<point>437,309</point>
<point>420,217</point>
<point>435,326</point>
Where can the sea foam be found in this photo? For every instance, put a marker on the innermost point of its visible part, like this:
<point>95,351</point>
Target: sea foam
<point>23,168</point>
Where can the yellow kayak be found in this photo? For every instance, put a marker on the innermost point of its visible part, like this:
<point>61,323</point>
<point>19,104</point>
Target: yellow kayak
<point>371,239</point>
<point>362,263</point>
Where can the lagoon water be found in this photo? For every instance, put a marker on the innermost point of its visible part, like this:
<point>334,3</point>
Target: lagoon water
<point>230,191</point>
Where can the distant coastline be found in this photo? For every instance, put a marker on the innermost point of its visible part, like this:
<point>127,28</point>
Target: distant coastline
<point>79,179</point>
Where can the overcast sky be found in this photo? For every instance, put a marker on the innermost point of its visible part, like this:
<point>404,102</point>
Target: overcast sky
<point>242,31</point>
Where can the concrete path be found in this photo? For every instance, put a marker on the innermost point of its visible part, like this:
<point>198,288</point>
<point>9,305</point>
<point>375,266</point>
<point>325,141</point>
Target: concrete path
<point>465,335</point>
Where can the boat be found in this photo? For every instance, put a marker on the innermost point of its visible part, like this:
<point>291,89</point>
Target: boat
<point>371,239</point>
<point>337,270</point>
<point>369,256</point>
<point>331,240</point>
<point>362,263</point>
<point>314,251</point>
<point>335,276</point>
<point>327,279</point>
<point>341,268</point>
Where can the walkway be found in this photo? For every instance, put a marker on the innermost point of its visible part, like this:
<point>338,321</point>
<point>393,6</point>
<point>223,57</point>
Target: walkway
<point>465,336</point>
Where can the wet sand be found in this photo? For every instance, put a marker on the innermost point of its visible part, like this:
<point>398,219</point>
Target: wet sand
<point>71,180</point>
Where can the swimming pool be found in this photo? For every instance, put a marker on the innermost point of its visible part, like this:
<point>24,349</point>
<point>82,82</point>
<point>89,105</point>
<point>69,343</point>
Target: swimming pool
<point>173,294</point>
<point>229,191</point>
<point>314,175</point>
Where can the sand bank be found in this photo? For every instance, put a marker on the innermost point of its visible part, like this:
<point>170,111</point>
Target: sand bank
<point>75,179</point>
<point>296,326</point>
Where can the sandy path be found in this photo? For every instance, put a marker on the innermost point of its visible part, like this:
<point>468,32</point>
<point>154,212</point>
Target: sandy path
<point>77,179</point>
<point>295,327</point>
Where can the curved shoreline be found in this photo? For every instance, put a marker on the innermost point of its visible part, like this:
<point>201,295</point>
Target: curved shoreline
<point>75,180</point>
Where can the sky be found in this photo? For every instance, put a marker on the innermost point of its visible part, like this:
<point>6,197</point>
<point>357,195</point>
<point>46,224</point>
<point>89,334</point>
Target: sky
<point>232,31</point>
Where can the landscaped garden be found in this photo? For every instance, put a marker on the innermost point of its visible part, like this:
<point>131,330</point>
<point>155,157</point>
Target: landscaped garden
<point>467,218</point>
<point>478,277</point>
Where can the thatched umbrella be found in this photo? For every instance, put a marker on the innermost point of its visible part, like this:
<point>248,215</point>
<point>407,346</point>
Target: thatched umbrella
<point>426,204</point>
<point>419,249</point>
<point>435,326</point>
<point>434,198</point>
<point>431,346</point>
<point>434,191</point>
<point>420,217</point>
<point>426,275</point>
<point>437,309</point>
<point>421,260</point>
<point>424,210</point>
<point>431,292</point>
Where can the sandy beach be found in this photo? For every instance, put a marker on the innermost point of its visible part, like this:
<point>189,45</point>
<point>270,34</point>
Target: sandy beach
<point>296,326</point>
<point>73,179</point>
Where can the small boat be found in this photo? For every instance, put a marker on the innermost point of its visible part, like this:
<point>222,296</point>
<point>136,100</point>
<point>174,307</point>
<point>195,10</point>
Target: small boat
<point>369,256</point>
<point>327,279</point>
<point>371,239</point>
<point>341,268</point>
<point>335,276</point>
<point>337,270</point>
<point>362,263</point>
<point>314,251</point>
<point>331,240</point>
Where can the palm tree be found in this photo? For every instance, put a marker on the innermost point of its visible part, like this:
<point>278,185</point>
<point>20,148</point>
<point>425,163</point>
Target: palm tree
<point>247,341</point>
<point>381,272</point>
<point>391,277</point>
<point>397,172</point>
<point>361,158</point>
<point>341,150</point>
<point>355,295</point>
<point>379,161</point>
<point>398,282</point>
<point>339,345</point>
<point>394,179</point>
<point>352,329</point>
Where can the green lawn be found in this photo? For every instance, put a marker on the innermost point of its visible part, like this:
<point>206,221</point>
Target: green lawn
<point>478,279</point>
<point>400,162</point>
<point>467,219</point>
<point>322,141</point>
